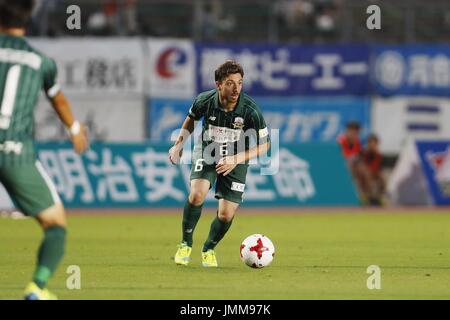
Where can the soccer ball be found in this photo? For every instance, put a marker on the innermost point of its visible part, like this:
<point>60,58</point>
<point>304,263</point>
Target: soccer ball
<point>257,251</point>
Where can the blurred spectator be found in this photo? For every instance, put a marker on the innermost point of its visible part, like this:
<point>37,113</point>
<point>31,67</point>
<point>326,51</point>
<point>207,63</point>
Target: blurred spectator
<point>327,13</point>
<point>110,10</point>
<point>372,159</point>
<point>296,17</point>
<point>350,142</point>
<point>309,20</point>
<point>351,150</point>
<point>46,18</point>
<point>130,17</point>
<point>214,21</point>
<point>295,12</point>
<point>116,17</point>
<point>104,22</point>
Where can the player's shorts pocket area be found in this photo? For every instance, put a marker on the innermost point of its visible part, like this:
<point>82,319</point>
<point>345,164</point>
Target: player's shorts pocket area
<point>29,187</point>
<point>232,186</point>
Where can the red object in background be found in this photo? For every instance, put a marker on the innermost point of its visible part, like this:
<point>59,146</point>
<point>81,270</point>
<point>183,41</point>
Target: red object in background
<point>349,149</point>
<point>110,7</point>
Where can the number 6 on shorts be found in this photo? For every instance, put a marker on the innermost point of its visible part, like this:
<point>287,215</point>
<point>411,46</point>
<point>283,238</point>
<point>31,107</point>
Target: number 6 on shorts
<point>199,165</point>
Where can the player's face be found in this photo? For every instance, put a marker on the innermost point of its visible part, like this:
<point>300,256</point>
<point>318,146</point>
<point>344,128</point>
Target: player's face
<point>372,144</point>
<point>230,87</point>
<point>352,134</point>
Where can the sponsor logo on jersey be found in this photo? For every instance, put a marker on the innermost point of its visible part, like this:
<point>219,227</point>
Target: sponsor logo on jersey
<point>212,118</point>
<point>223,134</point>
<point>238,123</point>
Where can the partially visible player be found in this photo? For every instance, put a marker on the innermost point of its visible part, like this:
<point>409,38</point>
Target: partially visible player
<point>230,119</point>
<point>351,150</point>
<point>24,72</point>
<point>350,142</point>
<point>372,159</point>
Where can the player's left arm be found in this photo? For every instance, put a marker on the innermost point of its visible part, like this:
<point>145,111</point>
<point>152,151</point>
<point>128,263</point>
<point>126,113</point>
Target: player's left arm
<point>59,102</point>
<point>227,164</point>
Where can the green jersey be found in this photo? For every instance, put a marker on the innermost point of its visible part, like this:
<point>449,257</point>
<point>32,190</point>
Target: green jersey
<point>24,72</point>
<point>227,133</point>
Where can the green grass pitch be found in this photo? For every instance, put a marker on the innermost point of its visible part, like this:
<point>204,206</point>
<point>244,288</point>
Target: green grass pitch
<point>319,255</point>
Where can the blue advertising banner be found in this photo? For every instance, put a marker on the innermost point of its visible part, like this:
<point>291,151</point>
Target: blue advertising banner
<point>140,175</point>
<point>435,158</point>
<point>314,119</point>
<point>272,70</point>
<point>298,119</point>
<point>165,116</point>
<point>411,70</point>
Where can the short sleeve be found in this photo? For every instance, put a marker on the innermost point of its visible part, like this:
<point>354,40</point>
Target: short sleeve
<point>196,111</point>
<point>49,72</point>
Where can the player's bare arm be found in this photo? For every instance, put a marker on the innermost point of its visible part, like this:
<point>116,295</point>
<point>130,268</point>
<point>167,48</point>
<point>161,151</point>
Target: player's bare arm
<point>227,164</point>
<point>78,132</point>
<point>176,151</point>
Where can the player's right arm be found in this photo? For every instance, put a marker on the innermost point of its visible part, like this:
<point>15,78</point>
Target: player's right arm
<point>77,131</point>
<point>195,113</point>
<point>176,151</point>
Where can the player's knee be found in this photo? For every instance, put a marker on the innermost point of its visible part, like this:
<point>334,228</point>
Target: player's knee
<point>53,216</point>
<point>196,198</point>
<point>225,216</point>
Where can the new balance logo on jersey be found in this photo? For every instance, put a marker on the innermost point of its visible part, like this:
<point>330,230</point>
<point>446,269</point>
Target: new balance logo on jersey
<point>212,118</point>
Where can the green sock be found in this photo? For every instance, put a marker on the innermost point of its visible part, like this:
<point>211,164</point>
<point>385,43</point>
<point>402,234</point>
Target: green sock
<point>218,230</point>
<point>191,214</point>
<point>50,253</point>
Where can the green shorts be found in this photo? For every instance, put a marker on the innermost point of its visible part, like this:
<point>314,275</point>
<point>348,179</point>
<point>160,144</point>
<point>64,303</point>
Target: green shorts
<point>29,187</point>
<point>230,187</point>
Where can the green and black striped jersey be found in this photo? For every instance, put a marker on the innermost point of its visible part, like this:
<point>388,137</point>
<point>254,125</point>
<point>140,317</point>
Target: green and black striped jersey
<point>227,133</point>
<point>24,72</point>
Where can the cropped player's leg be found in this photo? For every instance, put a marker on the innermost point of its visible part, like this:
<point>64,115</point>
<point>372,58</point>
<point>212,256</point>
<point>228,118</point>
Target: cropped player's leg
<point>219,227</point>
<point>35,195</point>
<point>221,223</point>
<point>191,215</point>
<point>193,207</point>
<point>51,250</point>
<point>229,191</point>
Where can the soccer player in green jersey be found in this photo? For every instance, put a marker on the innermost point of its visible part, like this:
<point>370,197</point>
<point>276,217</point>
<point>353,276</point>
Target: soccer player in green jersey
<point>25,71</point>
<point>230,120</point>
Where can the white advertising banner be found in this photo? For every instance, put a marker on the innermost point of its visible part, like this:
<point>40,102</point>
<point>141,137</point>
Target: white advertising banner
<point>171,68</point>
<point>115,120</point>
<point>96,65</point>
<point>407,184</point>
<point>395,120</point>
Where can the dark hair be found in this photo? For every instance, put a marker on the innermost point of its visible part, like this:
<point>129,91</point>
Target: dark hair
<point>15,13</point>
<point>373,137</point>
<point>353,125</point>
<point>227,68</point>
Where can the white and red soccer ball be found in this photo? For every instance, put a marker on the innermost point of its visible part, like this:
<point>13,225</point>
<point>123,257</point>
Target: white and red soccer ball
<point>257,251</point>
